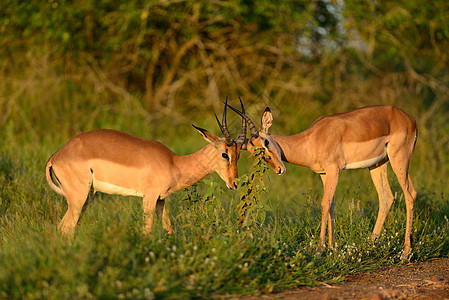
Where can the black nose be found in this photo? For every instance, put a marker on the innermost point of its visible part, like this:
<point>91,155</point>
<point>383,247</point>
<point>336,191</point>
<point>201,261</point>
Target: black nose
<point>279,170</point>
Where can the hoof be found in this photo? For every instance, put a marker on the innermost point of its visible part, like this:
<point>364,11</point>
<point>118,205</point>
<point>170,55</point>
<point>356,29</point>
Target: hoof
<point>319,251</point>
<point>406,254</point>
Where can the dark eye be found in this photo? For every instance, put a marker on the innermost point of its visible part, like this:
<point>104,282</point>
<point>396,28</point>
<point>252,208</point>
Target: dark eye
<point>267,142</point>
<point>225,156</point>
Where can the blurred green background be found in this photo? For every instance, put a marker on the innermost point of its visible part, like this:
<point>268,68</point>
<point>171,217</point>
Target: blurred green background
<point>152,68</point>
<point>148,67</point>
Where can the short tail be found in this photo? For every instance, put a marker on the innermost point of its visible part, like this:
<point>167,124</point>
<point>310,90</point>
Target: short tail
<point>52,179</point>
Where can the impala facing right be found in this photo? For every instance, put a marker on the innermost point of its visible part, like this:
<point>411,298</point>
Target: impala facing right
<point>367,137</point>
<point>114,162</point>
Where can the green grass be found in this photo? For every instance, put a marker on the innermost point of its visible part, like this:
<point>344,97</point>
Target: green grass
<point>58,80</point>
<point>209,253</point>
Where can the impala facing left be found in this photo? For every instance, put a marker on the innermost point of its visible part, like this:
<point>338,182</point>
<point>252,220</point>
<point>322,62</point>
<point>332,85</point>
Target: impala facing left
<point>367,137</point>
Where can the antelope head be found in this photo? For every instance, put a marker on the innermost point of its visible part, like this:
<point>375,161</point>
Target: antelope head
<point>262,139</point>
<point>226,151</point>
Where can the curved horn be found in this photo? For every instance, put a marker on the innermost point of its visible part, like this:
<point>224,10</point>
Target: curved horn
<point>242,137</point>
<point>252,127</point>
<point>224,126</point>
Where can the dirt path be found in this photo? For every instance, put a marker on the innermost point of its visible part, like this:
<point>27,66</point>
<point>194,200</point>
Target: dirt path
<point>421,280</point>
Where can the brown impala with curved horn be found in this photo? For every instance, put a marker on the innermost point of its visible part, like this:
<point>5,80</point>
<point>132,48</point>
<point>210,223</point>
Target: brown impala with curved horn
<point>368,137</point>
<point>114,162</point>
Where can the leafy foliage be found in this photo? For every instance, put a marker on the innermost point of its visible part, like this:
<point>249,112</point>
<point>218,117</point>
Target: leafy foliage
<point>161,50</point>
<point>250,208</point>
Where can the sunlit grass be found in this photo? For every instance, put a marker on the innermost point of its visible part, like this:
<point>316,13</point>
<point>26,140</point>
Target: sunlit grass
<point>209,253</point>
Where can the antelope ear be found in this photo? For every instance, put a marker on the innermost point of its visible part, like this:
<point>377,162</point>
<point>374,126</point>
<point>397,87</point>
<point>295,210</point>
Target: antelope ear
<point>267,120</point>
<point>211,138</point>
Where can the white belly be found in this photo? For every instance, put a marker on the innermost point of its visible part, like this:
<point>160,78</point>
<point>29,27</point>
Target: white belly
<point>365,163</point>
<point>109,188</point>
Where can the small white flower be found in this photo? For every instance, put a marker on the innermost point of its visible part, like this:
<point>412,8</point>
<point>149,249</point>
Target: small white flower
<point>148,293</point>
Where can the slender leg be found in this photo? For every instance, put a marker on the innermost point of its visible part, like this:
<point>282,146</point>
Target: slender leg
<point>331,216</point>
<point>331,224</point>
<point>149,206</point>
<point>386,198</point>
<point>166,221</point>
<point>412,188</point>
<point>399,163</point>
<point>89,200</point>
<point>76,183</point>
<point>161,210</point>
<point>330,184</point>
<point>75,201</point>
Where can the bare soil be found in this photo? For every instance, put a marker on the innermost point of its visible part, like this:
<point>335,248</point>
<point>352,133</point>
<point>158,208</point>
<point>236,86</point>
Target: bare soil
<point>420,280</point>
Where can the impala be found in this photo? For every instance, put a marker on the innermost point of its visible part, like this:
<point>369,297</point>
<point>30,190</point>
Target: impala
<point>367,137</point>
<point>114,162</point>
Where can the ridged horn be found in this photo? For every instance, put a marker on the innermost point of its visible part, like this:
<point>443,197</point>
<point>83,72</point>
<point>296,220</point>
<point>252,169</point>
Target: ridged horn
<point>252,127</point>
<point>224,126</point>
<point>241,139</point>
